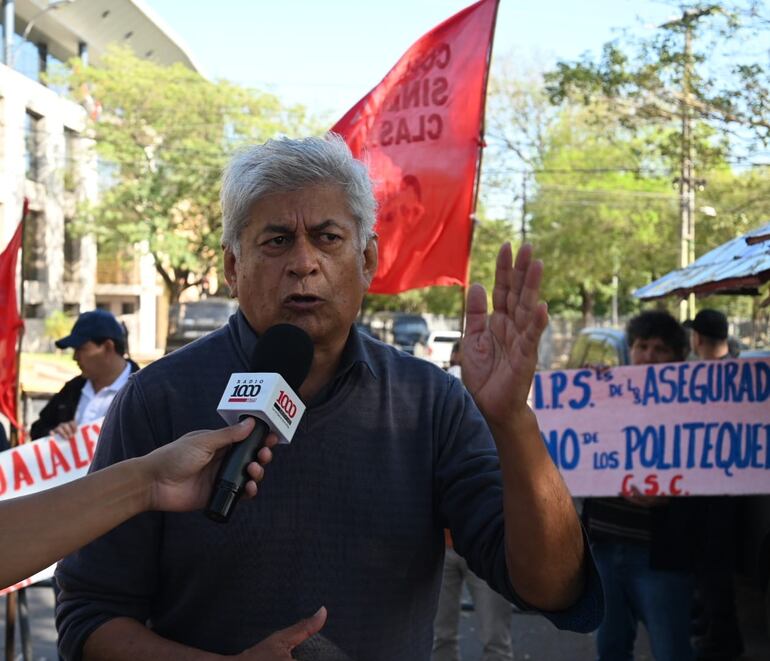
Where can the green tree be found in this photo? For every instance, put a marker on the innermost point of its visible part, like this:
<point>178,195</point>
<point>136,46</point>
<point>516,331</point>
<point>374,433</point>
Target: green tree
<point>699,81</point>
<point>164,135</point>
<point>604,212</point>
<point>519,117</point>
<point>694,66</point>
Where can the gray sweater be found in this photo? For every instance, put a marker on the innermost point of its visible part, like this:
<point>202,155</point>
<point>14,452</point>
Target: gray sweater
<point>349,516</point>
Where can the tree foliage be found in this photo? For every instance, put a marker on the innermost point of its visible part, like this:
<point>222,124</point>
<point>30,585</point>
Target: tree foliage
<point>657,80</point>
<point>603,162</point>
<point>604,209</point>
<point>163,137</point>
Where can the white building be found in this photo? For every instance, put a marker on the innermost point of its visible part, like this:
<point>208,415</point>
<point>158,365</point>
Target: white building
<point>45,156</point>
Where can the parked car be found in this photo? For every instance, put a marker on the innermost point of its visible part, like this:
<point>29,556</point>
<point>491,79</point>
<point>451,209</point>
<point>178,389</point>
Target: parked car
<point>189,321</point>
<point>599,346</point>
<point>400,329</point>
<point>437,347</point>
<point>408,330</point>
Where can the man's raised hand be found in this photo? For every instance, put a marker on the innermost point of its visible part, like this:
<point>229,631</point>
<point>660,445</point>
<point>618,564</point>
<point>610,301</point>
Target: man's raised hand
<point>500,349</point>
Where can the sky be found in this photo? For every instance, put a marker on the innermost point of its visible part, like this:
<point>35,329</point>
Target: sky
<point>327,54</point>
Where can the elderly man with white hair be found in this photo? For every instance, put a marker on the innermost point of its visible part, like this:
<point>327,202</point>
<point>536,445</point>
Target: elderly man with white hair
<point>390,451</point>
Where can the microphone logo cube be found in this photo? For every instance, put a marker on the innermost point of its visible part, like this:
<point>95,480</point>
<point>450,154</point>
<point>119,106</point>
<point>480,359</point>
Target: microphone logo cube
<point>266,396</point>
<point>245,392</point>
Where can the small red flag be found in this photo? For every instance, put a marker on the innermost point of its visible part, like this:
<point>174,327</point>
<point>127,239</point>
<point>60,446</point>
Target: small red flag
<point>9,327</point>
<point>420,132</point>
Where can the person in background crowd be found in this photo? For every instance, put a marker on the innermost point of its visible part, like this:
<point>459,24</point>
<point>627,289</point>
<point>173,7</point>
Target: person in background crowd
<point>99,342</point>
<point>718,633</point>
<point>493,611</point>
<point>709,335</point>
<point>644,545</point>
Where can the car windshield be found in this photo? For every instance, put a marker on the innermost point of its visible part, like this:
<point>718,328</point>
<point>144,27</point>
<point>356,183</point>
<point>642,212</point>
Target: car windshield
<point>205,311</point>
<point>410,325</point>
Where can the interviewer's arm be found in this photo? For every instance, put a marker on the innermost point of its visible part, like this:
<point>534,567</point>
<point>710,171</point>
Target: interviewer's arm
<point>39,529</point>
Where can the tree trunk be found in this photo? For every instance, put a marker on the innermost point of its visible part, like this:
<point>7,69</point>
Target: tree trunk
<point>587,305</point>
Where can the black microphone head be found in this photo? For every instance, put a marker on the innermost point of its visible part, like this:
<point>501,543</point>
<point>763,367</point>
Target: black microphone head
<point>286,350</point>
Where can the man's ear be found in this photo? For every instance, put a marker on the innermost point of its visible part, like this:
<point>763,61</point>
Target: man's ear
<point>371,259</point>
<point>231,273</point>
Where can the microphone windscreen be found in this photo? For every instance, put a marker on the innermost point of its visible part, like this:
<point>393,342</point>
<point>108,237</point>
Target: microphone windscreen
<point>284,349</point>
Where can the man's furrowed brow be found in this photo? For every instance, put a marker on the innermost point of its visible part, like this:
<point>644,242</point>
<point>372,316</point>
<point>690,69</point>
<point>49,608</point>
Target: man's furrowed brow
<point>278,228</point>
<point>326,224</point>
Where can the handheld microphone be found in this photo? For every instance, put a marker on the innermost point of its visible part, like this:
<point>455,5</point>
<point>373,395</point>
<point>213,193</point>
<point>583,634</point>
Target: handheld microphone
<point>280,363</point>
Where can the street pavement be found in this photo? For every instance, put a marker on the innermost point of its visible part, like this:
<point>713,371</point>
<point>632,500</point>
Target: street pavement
<point>534,638</point>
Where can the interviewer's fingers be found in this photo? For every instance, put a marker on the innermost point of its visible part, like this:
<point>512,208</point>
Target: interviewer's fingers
<point>279,645</point>
<point>288,638</point>
<point>212,440</point>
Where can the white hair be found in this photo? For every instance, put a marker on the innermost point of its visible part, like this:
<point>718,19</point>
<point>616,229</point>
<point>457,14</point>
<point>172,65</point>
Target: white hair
<point>284,165</point>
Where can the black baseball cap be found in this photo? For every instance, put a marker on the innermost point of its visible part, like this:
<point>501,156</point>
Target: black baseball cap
<point>710,323</point>
<point>93,325</point>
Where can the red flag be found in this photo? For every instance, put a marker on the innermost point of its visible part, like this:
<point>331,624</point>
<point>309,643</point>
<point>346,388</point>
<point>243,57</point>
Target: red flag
<point>420,132</point>
<point>10,323</point>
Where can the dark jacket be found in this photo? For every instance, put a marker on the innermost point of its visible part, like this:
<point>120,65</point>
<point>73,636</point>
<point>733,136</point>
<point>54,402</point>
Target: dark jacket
<point>62,406</point>
<point>351,513</point>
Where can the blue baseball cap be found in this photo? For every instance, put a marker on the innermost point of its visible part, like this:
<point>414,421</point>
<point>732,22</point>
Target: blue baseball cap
<point>93,325</point>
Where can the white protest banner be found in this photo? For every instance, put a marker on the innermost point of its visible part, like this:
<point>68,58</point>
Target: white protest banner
<point>691,428</point>
<point>42,464</point>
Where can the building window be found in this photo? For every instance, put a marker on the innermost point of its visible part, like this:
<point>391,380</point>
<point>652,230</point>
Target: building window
<point>71,309</point>
<point>71,252</point>
<point>33,251</point>
<point>127,307</point>
<point>70,163</point>
<point>33,311</point>
<point>32,142</point>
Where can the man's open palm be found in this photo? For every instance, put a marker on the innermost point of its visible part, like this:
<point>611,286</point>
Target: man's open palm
<point>500,349</point>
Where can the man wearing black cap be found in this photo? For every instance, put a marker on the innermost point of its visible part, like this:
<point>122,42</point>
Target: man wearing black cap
<point>718,634</point>
<point>99,343</point>
<point>708,335</point>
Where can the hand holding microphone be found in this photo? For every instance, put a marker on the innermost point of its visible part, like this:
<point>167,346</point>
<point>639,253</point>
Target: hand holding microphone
<point>268,393</point>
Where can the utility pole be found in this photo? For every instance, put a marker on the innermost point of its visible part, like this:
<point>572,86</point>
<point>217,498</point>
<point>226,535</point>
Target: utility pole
<point>689,19</point>
<point>524,208</point>
<point>686,182</point>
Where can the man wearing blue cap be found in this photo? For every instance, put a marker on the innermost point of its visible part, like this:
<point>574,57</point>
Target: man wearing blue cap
<point>99,342</point>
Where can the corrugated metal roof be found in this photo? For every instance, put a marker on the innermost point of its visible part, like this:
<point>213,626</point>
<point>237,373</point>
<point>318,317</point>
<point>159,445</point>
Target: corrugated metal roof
<point>738,266</point>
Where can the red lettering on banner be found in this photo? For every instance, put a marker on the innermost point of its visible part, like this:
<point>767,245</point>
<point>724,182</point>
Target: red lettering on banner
<point>625,490</point>
<point>91,443</point>
<point>652,485</point>
<point>79,461</point>
<point>44,472</point>
<point>3,481</point>
<point>20,472</point>
<point>58,459</point>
